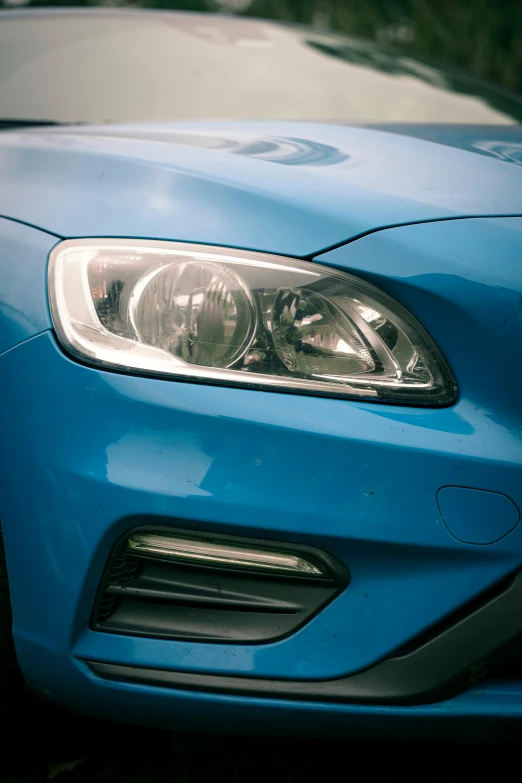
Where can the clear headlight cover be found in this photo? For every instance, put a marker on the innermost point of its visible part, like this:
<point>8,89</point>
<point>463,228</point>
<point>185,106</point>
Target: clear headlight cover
<point>235,317</point>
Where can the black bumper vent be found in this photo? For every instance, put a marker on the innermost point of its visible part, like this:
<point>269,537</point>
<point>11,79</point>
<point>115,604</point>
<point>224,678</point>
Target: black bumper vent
<point>161,598</point>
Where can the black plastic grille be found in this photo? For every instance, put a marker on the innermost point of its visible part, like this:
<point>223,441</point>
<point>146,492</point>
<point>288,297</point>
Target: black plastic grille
<point>161,598</point>
<point>124,568</point>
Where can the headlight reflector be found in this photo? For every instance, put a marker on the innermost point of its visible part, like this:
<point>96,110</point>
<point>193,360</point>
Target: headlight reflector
<point>237,317</point>
<point>199,312</point>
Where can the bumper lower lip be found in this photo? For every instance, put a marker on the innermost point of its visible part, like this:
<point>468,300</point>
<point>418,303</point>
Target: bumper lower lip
<point>439,668</point>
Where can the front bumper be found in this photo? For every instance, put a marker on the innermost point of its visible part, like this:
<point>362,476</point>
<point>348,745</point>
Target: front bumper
<point>84,450</point>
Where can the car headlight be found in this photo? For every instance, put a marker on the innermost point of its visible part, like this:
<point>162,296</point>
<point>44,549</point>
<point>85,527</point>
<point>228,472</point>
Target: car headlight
<point>234,317</point>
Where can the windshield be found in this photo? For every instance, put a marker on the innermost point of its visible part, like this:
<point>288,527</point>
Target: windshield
<point>119,66</point>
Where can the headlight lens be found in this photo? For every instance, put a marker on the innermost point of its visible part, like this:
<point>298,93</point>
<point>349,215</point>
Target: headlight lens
<point>234,317</point>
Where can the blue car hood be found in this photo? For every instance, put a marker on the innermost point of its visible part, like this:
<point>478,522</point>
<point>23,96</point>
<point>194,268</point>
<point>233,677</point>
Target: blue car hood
<point>293,188</point>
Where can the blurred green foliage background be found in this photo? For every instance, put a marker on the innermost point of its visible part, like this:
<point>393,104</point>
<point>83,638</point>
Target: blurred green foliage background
<point>484,36</point>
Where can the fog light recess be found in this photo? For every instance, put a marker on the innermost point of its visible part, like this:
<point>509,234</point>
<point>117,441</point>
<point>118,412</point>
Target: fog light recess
<point>179,584</point>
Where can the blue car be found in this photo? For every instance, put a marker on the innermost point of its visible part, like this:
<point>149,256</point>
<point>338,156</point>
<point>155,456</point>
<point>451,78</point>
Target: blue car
<point>261,371</point>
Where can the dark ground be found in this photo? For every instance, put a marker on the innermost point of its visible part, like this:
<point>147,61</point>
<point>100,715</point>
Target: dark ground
<point>43,743</point>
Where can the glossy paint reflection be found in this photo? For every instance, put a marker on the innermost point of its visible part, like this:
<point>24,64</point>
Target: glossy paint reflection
<point>144,184</point>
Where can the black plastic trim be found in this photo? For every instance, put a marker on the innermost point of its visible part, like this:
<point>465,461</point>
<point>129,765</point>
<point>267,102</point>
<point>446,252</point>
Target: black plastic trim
<point>437,669</point>
<point>158,597</point>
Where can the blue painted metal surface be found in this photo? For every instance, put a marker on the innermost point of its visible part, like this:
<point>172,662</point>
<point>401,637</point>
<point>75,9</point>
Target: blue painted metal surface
<point>503,142</point>
<point>24,311</point>
<point>288,188</point>
<point>477,517</point>
<point>82,450</point>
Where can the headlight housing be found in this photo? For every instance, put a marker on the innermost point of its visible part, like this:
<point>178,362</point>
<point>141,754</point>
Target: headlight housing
<point>240,318</point>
